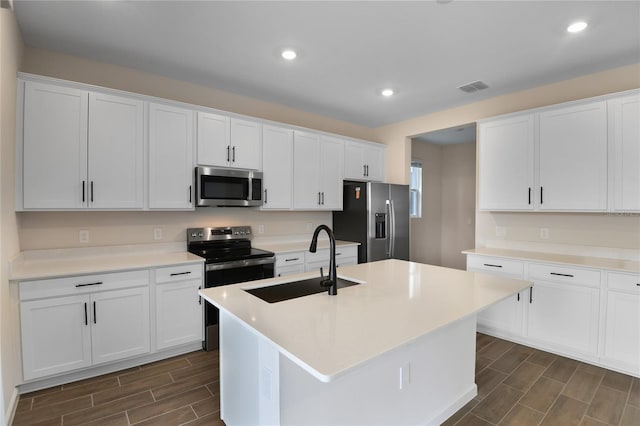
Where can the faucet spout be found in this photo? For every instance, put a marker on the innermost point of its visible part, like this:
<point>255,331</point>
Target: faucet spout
<point>332,280</point>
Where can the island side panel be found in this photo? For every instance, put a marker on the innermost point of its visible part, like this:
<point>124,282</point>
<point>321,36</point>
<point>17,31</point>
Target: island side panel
<point>423,382</point>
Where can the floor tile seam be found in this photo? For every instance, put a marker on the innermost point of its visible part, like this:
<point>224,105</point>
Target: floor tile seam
<point>63,414</point>
<point>182,393</point>
<point>113,401</point>
<point>189,404</point>
<point>162,414</point>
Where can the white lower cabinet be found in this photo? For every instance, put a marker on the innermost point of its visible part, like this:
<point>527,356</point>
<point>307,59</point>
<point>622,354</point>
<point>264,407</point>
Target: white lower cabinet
<point>504,318</point>
<point>76,322</point>
<point>622,322</point>
<point>320,259</point>
<point>179,309</point>
<point>289,263</point>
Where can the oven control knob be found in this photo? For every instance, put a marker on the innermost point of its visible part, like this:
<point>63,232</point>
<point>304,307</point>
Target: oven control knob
<point>201,234</point>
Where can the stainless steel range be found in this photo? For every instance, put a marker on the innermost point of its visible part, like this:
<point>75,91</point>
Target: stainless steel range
<point>229,259</point>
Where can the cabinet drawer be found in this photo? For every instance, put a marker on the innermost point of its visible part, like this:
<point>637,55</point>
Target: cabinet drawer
<point>619,281</point>
<point>82,284</point>
<point>323,254</point>
<point>179,273</point>
<point>287,259</point>
<point>495,265</point>
<point>349,251</point>
<point>563,274</point>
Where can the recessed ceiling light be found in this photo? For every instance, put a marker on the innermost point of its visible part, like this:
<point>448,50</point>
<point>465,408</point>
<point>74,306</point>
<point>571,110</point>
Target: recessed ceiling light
<point>387,92</point>
<point>289,54</point>
<point>576,27</point>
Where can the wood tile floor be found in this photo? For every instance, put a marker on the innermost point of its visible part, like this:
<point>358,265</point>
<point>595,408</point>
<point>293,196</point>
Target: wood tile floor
<point>183,390</point>
<point>517,385</point>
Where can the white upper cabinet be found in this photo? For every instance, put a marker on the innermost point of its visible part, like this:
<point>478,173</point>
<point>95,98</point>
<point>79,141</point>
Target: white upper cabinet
<point>228,142</point>
<point>170,157</point>
<point>277,167</point>
<point>81,149</point>
<point>246,144</point>
<point>506,151</point>
<point>213,140</point>
<point>116,150</point>
<point>317,172</point>
<point>573,158</point>
<point>54,172</point>
<point>624,140</point>
<point>363,161</point>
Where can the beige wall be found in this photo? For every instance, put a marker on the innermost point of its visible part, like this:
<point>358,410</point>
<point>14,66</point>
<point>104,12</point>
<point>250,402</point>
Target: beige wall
<point>447,225</point>
<point>11,367</point>
<point>426,231</point>
<point>593,230</point>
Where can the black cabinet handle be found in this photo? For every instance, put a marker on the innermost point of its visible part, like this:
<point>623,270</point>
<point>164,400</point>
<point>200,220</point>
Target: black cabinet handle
<point>92,191</point>
<point>561,275</point>
<point>518,297</point>
<point>228,156</point>
<point>529,195</point>
<point>492,265</point>
<point>364,170</point>
<point>189,194</point>
<point>199,297</point>
<point>94,313</point>
<point>88,284</point>
<point>541,189</point>
<point>638,284</point>
<point>323,198</point>
<point>530,294</point>
<point>83,191</point>
<point>173,274</point>
<point>234,154</point>
<point>297,258</point>
<point>318,198</point>
<point>86,317</point>
<point>265,196</point>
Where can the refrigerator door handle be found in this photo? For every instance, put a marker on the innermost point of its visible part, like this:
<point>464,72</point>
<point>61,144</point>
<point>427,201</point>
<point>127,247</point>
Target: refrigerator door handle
<point>389,236</point>
<point>392,237</point>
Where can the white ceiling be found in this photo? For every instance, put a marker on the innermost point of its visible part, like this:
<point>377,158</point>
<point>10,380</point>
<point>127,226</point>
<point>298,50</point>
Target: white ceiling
<point>348,51</point>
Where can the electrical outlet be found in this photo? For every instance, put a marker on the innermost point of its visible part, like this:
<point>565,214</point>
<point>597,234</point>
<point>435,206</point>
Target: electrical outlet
<point>544,233</point>
<point>260,229</point>
<point>405,376</point>
<point>501,231</point>
<point>157,233</point>
<point>83,236</point>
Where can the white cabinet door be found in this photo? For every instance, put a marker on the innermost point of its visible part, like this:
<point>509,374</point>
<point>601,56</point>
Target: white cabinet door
<point>573,158</point>
<point>506,174</point>
<point>120,324</point>
<point>170,157</point>
<point>116,149</point>
<point>331,173</point>
<point>564,316</point>
<point>213,140</point>
<point>504,318</point>
<point>622,330</point>
<point>55,147</point>
<point>624,131</point>
<point>364,161</point>
<point>56,335</point>
<point>374,160</point>
<point>277,167</point>
<point>306,171</point>
<point>246,144</point>
<point>178,313</point>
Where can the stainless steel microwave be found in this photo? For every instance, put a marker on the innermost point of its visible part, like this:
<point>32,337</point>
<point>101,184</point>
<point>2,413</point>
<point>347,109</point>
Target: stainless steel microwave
<point>227,187</point>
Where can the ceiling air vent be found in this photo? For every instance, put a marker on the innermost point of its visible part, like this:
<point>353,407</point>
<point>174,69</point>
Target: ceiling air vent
<point>473,87</point>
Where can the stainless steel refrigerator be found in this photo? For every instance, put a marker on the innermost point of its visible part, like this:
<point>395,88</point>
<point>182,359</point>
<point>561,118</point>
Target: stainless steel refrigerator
<point>377,216</point>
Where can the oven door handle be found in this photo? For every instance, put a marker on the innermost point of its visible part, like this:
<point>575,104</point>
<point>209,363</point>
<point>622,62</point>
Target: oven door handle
<point>239,263</point>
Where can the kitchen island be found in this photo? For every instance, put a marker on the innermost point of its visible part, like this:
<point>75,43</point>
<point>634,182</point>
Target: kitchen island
<point>399,348</point>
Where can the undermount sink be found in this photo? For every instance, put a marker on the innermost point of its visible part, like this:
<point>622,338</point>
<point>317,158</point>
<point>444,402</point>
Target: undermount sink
<point>294,289</point>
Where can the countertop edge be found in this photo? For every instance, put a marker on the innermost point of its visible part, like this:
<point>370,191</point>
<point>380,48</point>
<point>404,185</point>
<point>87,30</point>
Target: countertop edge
<point>609,264</point>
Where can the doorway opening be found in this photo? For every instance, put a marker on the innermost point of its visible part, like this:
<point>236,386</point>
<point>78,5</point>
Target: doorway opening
<point>446,225</point>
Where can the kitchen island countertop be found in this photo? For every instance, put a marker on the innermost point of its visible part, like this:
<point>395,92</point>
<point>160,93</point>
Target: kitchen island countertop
<point>397,302</point>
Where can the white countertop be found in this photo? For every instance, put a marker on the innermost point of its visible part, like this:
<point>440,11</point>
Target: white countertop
<point>583,261</point>
<point>303,245</point>
<point>42,264</point>
<point>398,302</point>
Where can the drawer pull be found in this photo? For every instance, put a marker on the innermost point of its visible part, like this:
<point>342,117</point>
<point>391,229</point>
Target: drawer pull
<point>86,317</point>
<point>530,294</point>
<point>200,297</point>
<point>95,320</point>
<point>338,254</point>
<point>292,259</point>
<point>179,273</point>
<point>561,275</point>
<point>492,266</point>
<point>88,284</point>
<point>638,284</point>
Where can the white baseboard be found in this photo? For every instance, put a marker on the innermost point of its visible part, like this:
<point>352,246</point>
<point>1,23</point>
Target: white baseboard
<point>13,405</point>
